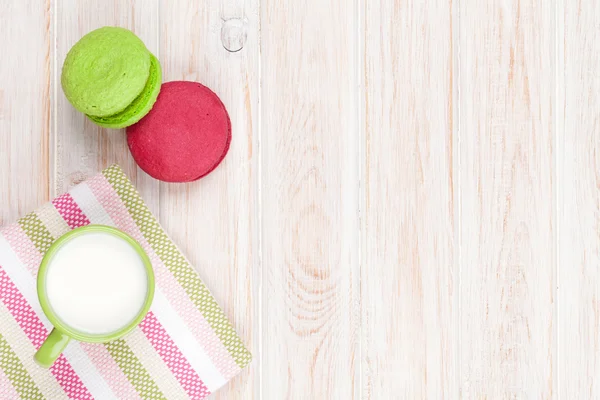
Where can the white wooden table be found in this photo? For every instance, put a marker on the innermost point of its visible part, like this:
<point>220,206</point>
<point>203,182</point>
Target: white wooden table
<point>410,207</point>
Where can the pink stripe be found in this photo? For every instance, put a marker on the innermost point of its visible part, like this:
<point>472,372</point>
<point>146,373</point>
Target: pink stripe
<point>70,211</point>
<point>174,293</point>
<point>110,371</point>
<point>7,390</point>
<point>36,332</point>
<point>99,356</point>
<point>172,356</point>
<point>23,247</point>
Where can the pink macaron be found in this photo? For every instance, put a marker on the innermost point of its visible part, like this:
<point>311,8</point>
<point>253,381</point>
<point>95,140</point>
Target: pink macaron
<point>185,136</point>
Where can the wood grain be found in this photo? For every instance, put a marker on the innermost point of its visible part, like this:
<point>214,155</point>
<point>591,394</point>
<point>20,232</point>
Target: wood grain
<point>25,87</point>
<point>213,220</point>
<point>408,264</point>
<point>309,199</point>
<point>507,282</point>
<point>579,200</point>
<point>405,180</point>
<point>82,149</point>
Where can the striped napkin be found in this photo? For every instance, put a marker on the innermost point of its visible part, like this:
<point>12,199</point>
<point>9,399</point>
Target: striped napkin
<point>184,348</point>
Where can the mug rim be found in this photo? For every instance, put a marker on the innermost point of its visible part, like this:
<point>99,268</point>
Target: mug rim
<point>53,317</point>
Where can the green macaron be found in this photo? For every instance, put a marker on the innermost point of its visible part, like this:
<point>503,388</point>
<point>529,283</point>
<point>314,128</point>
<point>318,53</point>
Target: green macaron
<point>110,76</point>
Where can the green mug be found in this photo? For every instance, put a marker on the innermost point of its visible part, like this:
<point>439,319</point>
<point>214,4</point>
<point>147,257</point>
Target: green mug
<point>62,333</point>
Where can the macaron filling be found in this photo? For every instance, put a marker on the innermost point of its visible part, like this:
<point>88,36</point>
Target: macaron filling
<point>140,106</point>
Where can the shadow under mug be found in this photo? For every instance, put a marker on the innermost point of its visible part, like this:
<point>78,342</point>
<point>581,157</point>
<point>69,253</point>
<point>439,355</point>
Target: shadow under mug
<point>62,333</point>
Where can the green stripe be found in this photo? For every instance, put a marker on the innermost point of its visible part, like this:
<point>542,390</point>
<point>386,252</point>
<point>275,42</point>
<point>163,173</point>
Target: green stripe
<point>17,374</point>
<point>37,232</point>
<point>134,370</point>
<point>176,263</point>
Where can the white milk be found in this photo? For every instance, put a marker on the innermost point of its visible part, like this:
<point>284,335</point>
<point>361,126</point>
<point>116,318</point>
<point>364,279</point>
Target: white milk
<point>96,283</point>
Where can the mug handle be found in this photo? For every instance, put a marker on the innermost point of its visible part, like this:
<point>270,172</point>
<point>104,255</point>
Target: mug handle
<point>51,349</point>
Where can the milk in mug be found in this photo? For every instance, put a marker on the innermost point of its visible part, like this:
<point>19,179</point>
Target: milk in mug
<point>96,283</point>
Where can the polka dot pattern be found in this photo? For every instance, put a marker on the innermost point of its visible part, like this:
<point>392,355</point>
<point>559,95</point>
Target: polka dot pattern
<point>16,373</point>
<point>120,205</point>
<point>70,211</point>
<point>37,232</point>
<point>120,216</point>
<point>170,354</point>
<point>184,273</point>
<point>28,253</point>
<point>134,370</point>
<point>36,332</point>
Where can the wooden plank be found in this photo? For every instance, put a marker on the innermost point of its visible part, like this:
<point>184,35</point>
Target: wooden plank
<point>408,264</point>
<point>213,219</point>
<point>579,200</point>
<point>82,148</point>
<point>309,198</point>
<point>25,118</point>
<point>507,281</point>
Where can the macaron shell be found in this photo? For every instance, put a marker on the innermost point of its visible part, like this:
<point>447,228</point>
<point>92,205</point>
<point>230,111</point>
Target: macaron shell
<point>105,71</point>
<point>185,136</point>
<point>140,106</point>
